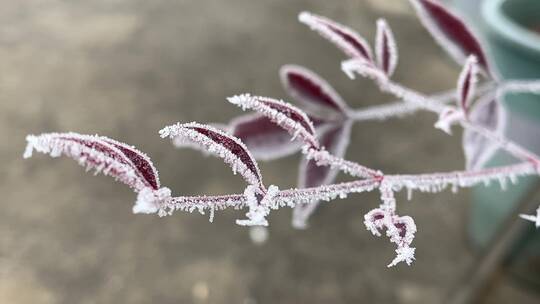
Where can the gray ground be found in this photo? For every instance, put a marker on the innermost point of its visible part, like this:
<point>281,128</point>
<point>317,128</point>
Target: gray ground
<point>125,69</point>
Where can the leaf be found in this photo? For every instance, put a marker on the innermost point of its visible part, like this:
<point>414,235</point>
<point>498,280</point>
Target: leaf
<point>121,161</point>
<point>287,116</point>
<point>386,48</point>
<point>466,85</point>
<point>311,91</point>
<point>219,143</point>
<point>488,113</point>
<point>346,39</point>
<point>263,138</point>
<point>335,138</point>
<point>450,32</point>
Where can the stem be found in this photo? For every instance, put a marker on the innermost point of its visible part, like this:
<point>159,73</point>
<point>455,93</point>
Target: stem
<point>400,108</point>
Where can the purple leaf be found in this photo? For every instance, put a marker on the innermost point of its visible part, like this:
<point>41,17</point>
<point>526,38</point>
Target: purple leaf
<point>264,139</point>
<point>141,161</point>
<point>386,48</point>
<point>346,39</point>
<point>488,113</point>
<point>335,138</point>
<point>219,143</point>
<point>287,116</point>
<point>467,84</point>
<point>311,90</point>
<point>123,162</point>
<point>450,32</point>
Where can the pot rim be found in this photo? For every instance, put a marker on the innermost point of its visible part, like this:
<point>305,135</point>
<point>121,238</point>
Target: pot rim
<point>508,29</point>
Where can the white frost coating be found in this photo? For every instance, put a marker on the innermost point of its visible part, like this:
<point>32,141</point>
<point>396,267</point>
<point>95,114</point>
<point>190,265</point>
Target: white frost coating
<point>468,78</point>
<point>321,25</point>
<point>187,132</point>
<point>256,216</point>
<point>437,182</point>
<point>403,254</point>
<point>149,200</point>
<point>447,118</point>
<point>246,101</point>
<point>385,43</point>
<point>324,158</point>
<point>533,218</point>
<point>57,144</point>
<point>518,86</point>
<point>363,68</point>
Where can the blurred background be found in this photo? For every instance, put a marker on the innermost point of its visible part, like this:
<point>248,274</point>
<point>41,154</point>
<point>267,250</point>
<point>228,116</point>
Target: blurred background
<point>125,69</point>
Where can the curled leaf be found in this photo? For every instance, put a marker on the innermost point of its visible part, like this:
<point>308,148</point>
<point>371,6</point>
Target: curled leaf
<point>450,32</point>
<point>311,91</point>
<point>346,39</point>
<point>386,48</point>
<point>466,85</point>
<point>287,116</point>
<point>335,139</point>
<point>486,112</point>
<point>221,144</point>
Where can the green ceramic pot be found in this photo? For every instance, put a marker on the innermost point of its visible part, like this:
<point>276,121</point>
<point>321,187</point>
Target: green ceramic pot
<point>515,48</point>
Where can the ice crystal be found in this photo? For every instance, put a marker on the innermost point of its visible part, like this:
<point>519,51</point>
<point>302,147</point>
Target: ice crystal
<point>258,210</point>
<point>533,218</point>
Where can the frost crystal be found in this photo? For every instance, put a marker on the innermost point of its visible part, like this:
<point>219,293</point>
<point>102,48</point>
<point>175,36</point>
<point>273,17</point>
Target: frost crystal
<point>149,200</point>
<point>256,216</point>
<point>533,218</point>
<point>448,117</point>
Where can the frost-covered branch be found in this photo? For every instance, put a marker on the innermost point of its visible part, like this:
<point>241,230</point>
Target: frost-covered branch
<point>321,129</point>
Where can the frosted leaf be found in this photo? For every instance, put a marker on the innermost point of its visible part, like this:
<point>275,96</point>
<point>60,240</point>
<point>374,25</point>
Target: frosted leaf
<point>346,39</point>
<point>447,118</point>
<point>466,85</point>
<point>486,112</point>
<point>533,218</point>
<point>311,91</point>
<point>263,138</point>
<point>287,116</point>
<point>450,32</point>
<point>125,163</point>
<point>386,48</point>
<point>229,148</point>
<point>335,139</point>
<point>258,210</point>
